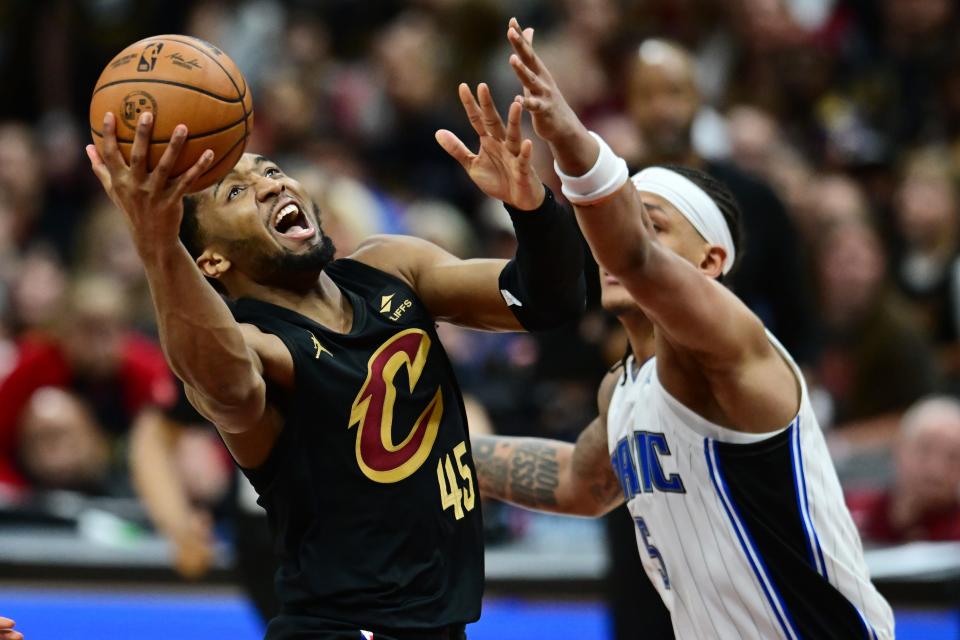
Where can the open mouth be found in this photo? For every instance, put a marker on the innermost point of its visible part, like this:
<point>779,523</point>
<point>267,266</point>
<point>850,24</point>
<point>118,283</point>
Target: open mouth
<point>291,222</point>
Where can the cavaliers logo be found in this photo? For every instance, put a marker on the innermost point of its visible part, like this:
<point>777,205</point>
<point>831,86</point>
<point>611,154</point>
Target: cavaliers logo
<point>380,458</point>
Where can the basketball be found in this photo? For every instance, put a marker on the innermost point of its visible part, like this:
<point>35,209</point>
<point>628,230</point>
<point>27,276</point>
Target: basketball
<point>181,80</point>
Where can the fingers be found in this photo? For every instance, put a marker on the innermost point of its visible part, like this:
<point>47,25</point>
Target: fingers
<point>530,103</point>
<point>513,128</point>
<point>170,155</point>
<point>184,182</point>
<point>523,47</point>
<point>491,119</point>
<point>472,109</point>
<point>455,147</point>
<point>103,174</point>
<point>141,145</point>
<point>111,152</point>
<point>526,153</point>
<point>6,623</point>
<point>530,80</point>
<point>11,635</point>
<point>528,34</point>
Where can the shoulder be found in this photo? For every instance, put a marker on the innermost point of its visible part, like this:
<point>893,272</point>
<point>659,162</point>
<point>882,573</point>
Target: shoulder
<point>607,386</point>
<point>399,256</point>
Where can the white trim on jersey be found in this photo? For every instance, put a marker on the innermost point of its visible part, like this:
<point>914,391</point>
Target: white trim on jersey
<point>746,542</point>
<point>800,483</point>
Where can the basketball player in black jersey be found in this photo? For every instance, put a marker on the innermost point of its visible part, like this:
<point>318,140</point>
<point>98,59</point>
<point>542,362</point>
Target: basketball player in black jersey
<point>326,379</point>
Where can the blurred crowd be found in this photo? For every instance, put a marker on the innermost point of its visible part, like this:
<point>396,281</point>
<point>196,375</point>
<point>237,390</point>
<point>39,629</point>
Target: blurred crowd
<point>836,123</point>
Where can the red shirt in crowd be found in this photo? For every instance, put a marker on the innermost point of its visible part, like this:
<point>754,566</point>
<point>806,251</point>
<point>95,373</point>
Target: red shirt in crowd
<point>141,380</point>
<point>871,512</point>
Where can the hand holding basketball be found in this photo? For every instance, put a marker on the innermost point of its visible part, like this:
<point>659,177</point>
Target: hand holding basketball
<point>151,200</point>
<point>178,80</point>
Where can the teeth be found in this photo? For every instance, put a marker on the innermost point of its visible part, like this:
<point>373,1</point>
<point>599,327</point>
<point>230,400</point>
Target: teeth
<point>287,210</point>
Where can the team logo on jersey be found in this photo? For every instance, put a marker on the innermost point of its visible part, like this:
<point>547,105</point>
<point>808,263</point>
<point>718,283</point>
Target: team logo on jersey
<point>644,473</point>
<point>319,347</point>
<point>379,457</point>
<point>386,304</point>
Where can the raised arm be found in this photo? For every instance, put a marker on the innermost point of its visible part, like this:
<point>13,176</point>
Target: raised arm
<point>204,345</point>
<point>543,286</point>
<point>697,313</point>
<point>550,475</point>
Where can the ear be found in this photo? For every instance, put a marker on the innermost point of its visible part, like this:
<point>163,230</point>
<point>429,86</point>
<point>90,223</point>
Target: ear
<point>213,264</point>
<point>713,260</point>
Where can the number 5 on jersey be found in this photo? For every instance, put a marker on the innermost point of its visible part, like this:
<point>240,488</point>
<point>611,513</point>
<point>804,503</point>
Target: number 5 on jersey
<point>451,495</point>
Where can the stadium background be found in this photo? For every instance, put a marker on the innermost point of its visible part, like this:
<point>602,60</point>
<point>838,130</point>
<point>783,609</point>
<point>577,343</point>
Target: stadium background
<point>849,110</point>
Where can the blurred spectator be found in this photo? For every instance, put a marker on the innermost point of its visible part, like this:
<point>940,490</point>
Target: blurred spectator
<point>928,266</point>
<point>663,102</point>
<point>117,373</point>
<point>923,501</point>
<point>60,445</point>
<point>875,362</point>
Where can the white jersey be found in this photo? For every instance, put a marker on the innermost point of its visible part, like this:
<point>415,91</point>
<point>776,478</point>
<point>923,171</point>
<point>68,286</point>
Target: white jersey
<point>745,537</point>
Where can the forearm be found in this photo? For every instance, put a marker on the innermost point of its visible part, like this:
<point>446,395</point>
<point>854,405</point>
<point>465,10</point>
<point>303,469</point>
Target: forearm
<point>546,275</point>
<point>154,472</point>
<point>527,472</point>
<point>549,475</point>
<point>203,343</point>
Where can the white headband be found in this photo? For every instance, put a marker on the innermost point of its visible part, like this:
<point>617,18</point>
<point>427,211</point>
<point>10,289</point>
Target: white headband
<point>693,202</point>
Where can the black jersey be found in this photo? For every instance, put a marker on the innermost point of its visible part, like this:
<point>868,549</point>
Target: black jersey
<point>370,488</point>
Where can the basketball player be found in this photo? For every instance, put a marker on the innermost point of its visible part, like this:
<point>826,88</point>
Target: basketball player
<point>327,379</point>
<point>707,433</point>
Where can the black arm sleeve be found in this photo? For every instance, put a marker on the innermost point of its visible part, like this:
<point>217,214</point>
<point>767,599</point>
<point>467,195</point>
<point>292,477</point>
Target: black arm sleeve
<point>544,284</point>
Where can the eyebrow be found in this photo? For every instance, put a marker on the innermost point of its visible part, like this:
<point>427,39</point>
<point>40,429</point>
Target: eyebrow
<point>651,205</point>
<point>257,161</point>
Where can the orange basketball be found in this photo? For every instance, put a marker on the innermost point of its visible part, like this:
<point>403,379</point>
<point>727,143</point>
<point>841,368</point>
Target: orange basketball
<point>182,80</point>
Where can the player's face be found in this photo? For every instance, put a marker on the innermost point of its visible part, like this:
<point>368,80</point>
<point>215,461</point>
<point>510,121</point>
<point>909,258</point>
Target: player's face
<point>263,221</point>
<point>675,233</point>
<point>662,101</point>
<point>928,461</point>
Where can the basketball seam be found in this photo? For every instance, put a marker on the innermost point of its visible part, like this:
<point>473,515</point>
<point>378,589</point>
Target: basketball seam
<point>205,134</point>
<point>217,62</point>
<point>224,156</point>
<point>243,95</point>
<point>175,84</point>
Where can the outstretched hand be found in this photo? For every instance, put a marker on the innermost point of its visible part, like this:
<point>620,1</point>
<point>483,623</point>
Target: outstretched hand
<point>151,200</point>
<point>552,116</point>
<point>501,167</point>
<point>7,631</point>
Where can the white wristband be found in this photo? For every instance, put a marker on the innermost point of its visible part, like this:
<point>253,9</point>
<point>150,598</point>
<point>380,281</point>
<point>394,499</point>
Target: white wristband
<point>606,177</point>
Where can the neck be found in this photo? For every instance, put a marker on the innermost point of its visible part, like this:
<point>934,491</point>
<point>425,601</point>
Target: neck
<point>323,303</point>
<point>639,333</point>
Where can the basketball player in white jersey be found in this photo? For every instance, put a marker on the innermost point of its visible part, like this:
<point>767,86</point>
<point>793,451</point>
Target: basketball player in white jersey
<point>707,433</point>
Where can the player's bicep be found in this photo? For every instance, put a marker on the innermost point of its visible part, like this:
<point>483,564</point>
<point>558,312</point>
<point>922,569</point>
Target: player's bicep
<point>270,360</point>
<point>598,490</point>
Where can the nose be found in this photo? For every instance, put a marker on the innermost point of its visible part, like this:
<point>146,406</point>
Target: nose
<point>268,188</point>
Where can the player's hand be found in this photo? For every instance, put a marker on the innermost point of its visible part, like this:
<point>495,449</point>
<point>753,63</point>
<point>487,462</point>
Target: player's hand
<point>501,167</point>
<point>193,546</point>
<point>553,119</point>
<point>151,200</point>
<point>7,631</point>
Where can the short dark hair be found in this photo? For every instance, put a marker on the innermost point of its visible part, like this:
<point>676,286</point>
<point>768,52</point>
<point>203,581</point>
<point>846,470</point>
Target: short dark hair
<point>724,199</point>
<point>190,228</point>
<point>192,238</point>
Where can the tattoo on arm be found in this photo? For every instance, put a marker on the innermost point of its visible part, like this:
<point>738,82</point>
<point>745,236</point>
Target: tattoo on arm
<point>591,465</point>
<point>520,470</point>
<point>534,474</point>
<point>491,470</point>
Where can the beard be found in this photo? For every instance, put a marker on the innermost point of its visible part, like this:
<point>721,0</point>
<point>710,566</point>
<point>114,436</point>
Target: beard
<point>287,270</point>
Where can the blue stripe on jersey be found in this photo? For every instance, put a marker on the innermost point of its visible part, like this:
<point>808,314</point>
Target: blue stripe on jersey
<point>800,483</point>
<point>871,632</point>
<point>747,543</point>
